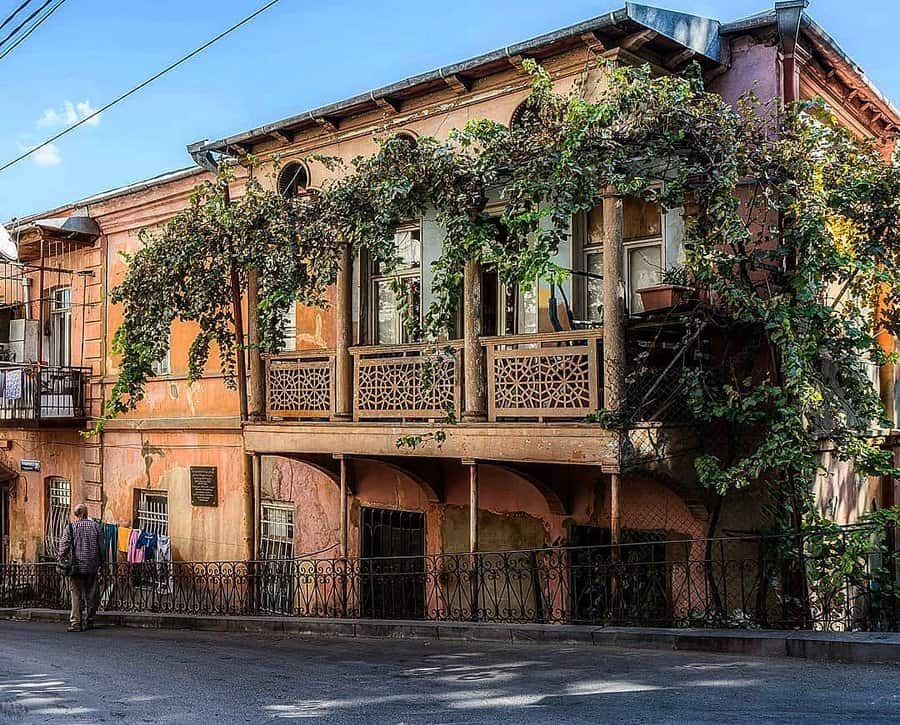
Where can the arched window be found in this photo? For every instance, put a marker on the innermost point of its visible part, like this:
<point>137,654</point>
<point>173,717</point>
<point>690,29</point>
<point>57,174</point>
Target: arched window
<point>406,136</point>
<point>293,180</point>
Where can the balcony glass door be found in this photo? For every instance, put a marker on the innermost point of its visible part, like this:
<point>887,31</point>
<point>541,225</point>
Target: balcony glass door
<point>61,327</point>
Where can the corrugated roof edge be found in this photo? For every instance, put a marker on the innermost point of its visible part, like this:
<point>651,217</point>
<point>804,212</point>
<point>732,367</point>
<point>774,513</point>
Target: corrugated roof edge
<point>137,186</point>
<point>697,33</point>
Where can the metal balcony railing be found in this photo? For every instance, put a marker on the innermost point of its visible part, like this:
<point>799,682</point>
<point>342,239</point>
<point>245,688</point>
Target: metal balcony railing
<point>38,394</point>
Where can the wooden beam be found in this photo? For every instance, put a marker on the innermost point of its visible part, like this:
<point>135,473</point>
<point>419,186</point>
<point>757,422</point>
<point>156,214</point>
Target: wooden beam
<point>458,82</point>
<point>328,123</point>
<point>678,59</point>
<point>516,61</point>
<point>282,136</point>
<point>241,150</point>
<point>851,96</point>
<point>593,42</point>
<point>638,40</point>
<point>390,104</point>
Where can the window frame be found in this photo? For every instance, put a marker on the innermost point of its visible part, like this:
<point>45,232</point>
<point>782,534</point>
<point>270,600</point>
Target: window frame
<point>58,513</point>
<point>147,520</point>
<point>60,321</point>
<point>404,275</point>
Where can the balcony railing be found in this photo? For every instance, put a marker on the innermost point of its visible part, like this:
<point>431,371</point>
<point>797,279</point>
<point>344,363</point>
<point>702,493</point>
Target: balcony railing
<point>552,375</point>
<point>407,382</point>
<point>528,377</point>
<point>300,384</point>
<point>35,394</point>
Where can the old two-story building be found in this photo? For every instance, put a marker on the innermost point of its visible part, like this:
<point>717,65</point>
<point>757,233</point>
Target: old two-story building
<point>323,473</point>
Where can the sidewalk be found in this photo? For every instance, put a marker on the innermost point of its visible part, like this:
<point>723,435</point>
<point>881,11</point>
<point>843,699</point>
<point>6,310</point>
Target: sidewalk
<point>859,647</point>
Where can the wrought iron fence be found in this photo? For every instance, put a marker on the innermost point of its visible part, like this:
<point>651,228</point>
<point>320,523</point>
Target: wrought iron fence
<point>775,582</point>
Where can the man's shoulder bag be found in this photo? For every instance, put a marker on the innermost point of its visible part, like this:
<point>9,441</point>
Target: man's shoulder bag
<point>69,565</point>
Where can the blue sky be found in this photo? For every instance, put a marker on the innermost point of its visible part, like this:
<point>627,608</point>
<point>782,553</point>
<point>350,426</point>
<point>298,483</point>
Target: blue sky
<point>298,55</point>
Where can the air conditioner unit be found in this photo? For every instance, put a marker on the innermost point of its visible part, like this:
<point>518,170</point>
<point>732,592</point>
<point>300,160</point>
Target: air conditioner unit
<point>23,340</point>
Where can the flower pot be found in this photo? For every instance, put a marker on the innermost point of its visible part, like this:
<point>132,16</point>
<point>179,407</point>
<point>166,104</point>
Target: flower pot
<point>665,296</point>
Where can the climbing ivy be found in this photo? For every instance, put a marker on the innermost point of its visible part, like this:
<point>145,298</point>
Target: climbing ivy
<point>791,226</point>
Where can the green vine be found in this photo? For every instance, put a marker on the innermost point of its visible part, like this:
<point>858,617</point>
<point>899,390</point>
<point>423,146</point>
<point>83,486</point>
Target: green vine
<point>792,228</point>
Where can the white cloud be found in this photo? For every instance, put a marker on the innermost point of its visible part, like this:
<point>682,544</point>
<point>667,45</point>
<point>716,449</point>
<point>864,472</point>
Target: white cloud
<point>47,156</point>
<point>68,114</point>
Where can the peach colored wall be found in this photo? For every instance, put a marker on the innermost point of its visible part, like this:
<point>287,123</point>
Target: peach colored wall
<point>161,460</point>
<point>60,455</point>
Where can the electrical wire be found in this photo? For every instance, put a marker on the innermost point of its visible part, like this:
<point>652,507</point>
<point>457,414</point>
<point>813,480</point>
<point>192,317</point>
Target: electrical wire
<point>140,86</point>
<point>24,22</point>
<point>30,30</point>
<point>9,18</point>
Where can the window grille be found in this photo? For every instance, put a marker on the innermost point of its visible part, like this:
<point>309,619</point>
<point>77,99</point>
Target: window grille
<point>153,512</point>
<point>277,531</point>
<point>60,505</point>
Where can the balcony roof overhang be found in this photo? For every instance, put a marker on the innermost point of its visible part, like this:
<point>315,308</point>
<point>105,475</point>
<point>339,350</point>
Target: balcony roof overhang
<point>667,33</point>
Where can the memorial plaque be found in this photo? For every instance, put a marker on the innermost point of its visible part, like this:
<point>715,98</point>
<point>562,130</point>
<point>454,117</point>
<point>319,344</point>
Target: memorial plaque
<point>204,486</point>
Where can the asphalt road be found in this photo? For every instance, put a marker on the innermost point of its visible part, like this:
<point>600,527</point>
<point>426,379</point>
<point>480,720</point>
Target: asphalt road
<point>127,675</point>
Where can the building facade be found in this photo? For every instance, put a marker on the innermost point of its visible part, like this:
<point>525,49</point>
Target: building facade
<point>316,469</point>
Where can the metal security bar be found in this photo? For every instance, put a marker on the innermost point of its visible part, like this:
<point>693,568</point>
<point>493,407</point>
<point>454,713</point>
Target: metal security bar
<point>153,512</point>
<point>792,582</point>
<point>59,491</point>
<point>277,584</point>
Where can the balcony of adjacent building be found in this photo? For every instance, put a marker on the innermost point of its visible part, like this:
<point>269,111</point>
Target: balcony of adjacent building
<point>43,316</point>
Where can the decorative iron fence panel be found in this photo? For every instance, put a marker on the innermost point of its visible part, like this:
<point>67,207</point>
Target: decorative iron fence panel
<point>785,583</point>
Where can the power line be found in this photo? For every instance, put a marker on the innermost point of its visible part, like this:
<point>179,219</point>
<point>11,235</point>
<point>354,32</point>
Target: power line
<point>141,85</point>
<point>30,30</point>
<point>13,14</point>
<point>25,22</point>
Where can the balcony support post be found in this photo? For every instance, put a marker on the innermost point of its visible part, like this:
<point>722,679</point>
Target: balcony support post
<point>473,360</point>
<point>613,351</point>
<point>344,505</point>
<point>473,538</point>
<point>256,391</point>
<point>343,338</point>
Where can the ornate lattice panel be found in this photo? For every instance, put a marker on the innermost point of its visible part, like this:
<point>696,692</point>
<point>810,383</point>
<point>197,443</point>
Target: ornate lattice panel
<point>533,380</point>
<point>299,386</point>
<point>406,384</point>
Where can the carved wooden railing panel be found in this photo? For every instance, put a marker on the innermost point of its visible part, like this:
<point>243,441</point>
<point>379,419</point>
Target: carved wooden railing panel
<point>548,375</point>
<point>407,382</point>
<point>300,384</point>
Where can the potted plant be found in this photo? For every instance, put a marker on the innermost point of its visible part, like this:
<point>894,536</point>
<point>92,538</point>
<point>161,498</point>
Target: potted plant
<point>676,289</point>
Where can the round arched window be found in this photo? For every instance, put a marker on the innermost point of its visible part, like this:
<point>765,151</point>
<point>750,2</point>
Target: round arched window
<point>292,180</point>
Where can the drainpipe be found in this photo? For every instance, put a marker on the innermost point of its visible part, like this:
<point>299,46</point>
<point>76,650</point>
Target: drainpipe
<point>788,15</point>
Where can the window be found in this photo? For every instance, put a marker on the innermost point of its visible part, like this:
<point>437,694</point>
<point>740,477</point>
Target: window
<point>644,258</point>
<point>507,309</point>
<point>59,499</point>
<point>292,180</point>
<point>276,541</point>
<point>61,327</point>
<point>163,366</point>
<point>153,512</point>
<point>396,317</point>
<point>290,328</point>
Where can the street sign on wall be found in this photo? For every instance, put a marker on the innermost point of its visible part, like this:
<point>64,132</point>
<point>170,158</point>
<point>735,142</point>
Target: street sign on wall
<point>28,465</point>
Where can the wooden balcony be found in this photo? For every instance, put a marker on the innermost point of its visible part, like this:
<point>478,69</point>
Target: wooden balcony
<point>37,395</point>
<point>540,377</point>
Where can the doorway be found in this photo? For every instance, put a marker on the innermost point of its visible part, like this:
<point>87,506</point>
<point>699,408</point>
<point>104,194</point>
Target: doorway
<point>392,565</point>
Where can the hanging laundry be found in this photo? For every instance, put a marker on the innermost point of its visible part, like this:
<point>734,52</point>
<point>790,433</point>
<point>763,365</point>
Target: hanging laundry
<point>12,384</point>
<point>148,543</point>
<point>124,534</point>
<point>135,554</point>
<point>111,541</point>
<point>164,577</point>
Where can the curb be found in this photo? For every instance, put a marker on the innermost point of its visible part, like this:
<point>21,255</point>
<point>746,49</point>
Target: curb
<point>855,647</point>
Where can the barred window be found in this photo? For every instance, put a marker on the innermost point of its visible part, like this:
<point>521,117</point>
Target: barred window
<point>153,512</point>
<point>277,531</point>
<point>58,510</point>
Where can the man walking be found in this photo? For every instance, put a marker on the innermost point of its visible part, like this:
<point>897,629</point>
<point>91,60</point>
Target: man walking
<point>83,540</point>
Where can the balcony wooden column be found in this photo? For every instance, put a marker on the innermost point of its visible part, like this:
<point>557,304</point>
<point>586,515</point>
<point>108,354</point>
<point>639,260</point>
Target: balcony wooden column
<point>613,340</point>
<point>256,390</point>
<point>473,359</point>
<point>343,535</point>
<point>343,337</point>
